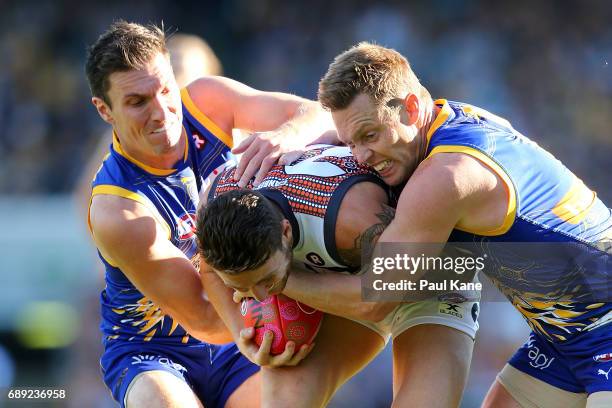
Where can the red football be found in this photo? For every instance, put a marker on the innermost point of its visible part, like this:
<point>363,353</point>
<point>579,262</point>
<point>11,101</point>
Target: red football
<point>286,318</point>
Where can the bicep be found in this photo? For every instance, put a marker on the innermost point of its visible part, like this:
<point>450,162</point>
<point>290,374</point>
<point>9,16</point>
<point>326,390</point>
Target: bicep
<point>138,245</point>
<point>433,202</point>
<point>236,105</point>
<point>363,216</point>
<point>262,111</point>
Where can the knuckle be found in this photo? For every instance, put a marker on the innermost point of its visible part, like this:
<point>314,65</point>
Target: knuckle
<point>270,160</point>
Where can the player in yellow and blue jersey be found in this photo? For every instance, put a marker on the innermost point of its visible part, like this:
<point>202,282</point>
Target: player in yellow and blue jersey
<point>156,321</point>
<point>470,176</point>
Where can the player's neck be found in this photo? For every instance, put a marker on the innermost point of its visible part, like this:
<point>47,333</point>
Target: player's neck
<point>429,116</point>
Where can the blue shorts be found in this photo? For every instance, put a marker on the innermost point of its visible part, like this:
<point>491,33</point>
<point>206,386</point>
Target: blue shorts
<point>581,364</point>
<point>213,372</point>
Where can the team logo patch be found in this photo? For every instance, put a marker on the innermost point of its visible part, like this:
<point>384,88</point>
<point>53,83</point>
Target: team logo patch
<point>538,358</point>
<point>143,358</point>
<point>315,259</point>
<point>451,309</point>
<point>186,226</point>
<point>605,373</point>
<point>272,183</point>
<point>601,358</point>
<point>198,140</point>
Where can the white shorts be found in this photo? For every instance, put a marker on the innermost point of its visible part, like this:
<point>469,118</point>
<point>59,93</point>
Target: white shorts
<point>460,316</point>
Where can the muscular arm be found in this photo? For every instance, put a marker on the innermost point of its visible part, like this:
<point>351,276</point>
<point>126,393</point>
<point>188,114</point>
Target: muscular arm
<point>363,216</point>
<point>283,123</point>
<point>219,295</point>
<point>231,104</point>
<point>363,244</point>
<point>128,235</point>
<point>446,190</point>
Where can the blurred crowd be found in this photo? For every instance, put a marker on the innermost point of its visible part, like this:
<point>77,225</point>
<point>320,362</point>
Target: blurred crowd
<point>543,65</point>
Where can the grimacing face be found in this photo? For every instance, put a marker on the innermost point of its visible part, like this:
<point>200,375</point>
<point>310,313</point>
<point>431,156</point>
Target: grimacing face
<point>268,279</point>
<point>146,111</point>
<point>385,144</point>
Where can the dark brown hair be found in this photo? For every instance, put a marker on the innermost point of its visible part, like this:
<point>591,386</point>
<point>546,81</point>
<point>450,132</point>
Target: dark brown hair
<point>124,46</point>
<point>238,231</point>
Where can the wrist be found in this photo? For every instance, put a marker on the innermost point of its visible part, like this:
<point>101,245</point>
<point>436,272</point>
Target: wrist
<point>289,130</point>
<point>235,328</point>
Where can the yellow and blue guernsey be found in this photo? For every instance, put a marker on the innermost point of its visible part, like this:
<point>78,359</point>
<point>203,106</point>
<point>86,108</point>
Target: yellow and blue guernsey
<point>137,336</point>
<point>547,205</point>
<point>172,197</point>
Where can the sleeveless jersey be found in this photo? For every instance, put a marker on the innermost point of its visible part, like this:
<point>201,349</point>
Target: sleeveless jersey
<point>546,203</point>
<point>309,192</point>
<point>172,197</point>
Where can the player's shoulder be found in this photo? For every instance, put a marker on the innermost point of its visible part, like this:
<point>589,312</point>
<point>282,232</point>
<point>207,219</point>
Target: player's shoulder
<point>450,178</point>
<point>216,97</point>
<point>211,86</point>
<point>126,231</point>
<point>449,166</point>
<point>113,217</point>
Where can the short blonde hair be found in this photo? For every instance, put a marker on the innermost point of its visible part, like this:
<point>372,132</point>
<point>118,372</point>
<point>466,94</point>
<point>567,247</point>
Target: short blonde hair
<point>382,73</point>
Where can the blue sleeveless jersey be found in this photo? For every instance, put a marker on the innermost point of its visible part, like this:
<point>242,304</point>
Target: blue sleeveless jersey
<point>546,203</point>
<point>172,197</point>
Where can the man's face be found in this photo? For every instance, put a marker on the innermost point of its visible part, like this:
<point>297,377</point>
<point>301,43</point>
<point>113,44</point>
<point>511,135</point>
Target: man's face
<point>386,144</point>
<point>269,279</point>
<point>146,110</point>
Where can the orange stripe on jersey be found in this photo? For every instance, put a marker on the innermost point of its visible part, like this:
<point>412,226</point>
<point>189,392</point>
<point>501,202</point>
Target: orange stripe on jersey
<point>205,120</point>
<point>445,111</point>
<point>575,204</point>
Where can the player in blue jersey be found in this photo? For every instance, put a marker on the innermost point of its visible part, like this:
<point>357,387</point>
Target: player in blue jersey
<point>157,323</point>
<point>319,212</point>
<point>470,176</point>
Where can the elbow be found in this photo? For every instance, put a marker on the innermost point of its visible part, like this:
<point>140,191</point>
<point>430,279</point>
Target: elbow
<point>213,337</point>
<point>206,326</point>
<point>209,332</point>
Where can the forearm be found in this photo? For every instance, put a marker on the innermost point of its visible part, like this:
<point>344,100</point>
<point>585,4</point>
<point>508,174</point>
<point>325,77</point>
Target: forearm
<point>209,327</point>
<point>311,124</point>
<point>220,297</point>
<point>334,293</point>
<point>199,318</point>
<point>179,293</point>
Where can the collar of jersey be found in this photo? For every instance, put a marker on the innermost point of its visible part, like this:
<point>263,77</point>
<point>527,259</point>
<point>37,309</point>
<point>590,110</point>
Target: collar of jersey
<point>149,169</point>
<point>280,200</point>
<point>446,113</point>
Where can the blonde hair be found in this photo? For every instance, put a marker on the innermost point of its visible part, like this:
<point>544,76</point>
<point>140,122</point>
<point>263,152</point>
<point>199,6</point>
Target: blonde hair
<point>382,73</point>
